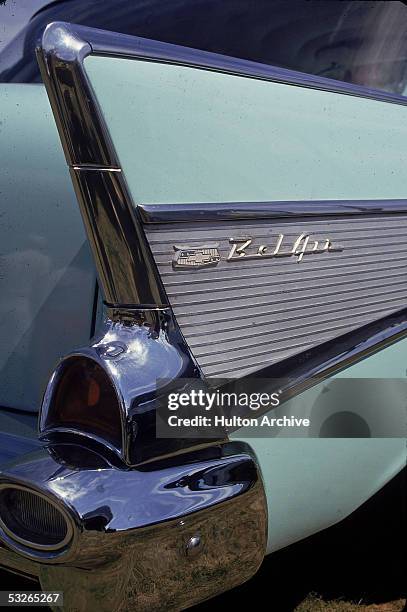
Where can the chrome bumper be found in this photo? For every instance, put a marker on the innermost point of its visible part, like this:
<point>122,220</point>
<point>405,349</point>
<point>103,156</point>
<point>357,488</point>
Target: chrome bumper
<point>162,537</point>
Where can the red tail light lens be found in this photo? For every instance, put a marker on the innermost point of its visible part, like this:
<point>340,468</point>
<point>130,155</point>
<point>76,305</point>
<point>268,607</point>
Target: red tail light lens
<point>86,400</point>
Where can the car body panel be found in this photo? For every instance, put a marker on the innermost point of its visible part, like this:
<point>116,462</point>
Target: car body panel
<point>189,135</point>
<point>18,435</point>
<point>47,276</point>
<point>185,135</point>
<point>214,155</point>
<point>312,484</point>
<point>315,481</point>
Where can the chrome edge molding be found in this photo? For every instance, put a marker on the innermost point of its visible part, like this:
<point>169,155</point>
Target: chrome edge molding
<point>121,253</point>
<point>138,308</point>
<point>308,369</point>
<point>109,43</point>
<point>208,211</point>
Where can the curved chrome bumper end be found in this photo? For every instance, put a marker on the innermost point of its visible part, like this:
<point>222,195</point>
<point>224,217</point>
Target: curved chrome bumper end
<point>157,538</point>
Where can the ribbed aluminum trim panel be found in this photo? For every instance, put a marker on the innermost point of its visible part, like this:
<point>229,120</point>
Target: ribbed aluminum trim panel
<point>239,316</point>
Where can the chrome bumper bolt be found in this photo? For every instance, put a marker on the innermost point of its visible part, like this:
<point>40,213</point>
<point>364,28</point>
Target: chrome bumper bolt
<point>194,546</point>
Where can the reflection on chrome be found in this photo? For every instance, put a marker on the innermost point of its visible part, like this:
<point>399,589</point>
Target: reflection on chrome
<point>131,527</point>
<point>138,352</point>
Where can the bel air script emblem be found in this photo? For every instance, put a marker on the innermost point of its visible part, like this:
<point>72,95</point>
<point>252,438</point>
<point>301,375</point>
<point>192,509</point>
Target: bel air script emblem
<point>303,245</point>
<point>203,256</point>
<point>196,256</point>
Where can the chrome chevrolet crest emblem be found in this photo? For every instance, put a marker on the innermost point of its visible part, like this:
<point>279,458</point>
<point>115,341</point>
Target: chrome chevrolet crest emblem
<point>242,248</point>
<point>196,256</point>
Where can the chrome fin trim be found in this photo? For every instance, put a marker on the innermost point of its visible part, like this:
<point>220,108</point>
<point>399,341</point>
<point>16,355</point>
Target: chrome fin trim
<point>125,267</point>
<point>223,211</point>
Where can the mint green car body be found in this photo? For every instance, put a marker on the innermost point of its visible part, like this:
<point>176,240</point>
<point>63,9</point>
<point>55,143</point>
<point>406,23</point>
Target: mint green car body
<point>47,275</point>
<point>295,144</point>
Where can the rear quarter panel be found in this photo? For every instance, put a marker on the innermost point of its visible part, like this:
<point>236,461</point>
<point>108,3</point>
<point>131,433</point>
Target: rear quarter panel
<point>180,138</point>
<point>47,279</point>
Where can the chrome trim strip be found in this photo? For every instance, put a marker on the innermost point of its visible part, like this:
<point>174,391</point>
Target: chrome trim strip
<point>305,370</point>
<point>125,266</point>
<point>95,168</point>
<point>113,44</point>
<point>294,375</point>
<point>115,312</point>
<point>223,211</point>
<point>80,122</point>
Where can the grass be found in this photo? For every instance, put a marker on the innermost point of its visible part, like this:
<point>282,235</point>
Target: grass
<point>314,603</point>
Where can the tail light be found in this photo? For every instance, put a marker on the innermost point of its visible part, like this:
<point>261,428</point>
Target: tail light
<point>85,400</point>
